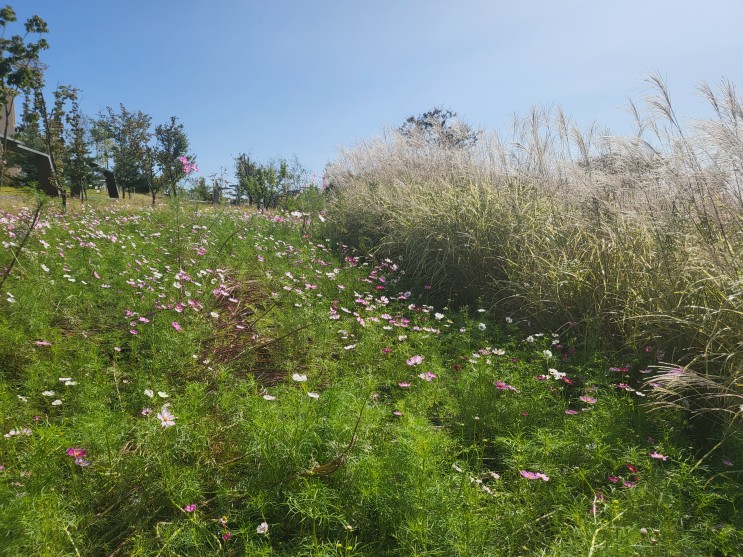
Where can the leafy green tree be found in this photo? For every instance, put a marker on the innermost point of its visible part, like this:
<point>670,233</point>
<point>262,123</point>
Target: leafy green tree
<point>21,70</point>
<point>29,133</point>
<point>53,133</point>
<point>64,138</point>
<point>78,163</point>
<point>171,143</point>
<point>201,191</point>
<point>154,183</point>
<point>130,134</point>
<point>246,173</point>
<point>261,184</point>
<point>102,143</point>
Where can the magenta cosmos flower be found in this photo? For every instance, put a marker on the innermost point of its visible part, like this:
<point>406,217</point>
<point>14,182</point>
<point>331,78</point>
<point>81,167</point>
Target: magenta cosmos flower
<point>414,361</point>
<point>503,386</point>
<point>79,456</point>
<point>534,475</point>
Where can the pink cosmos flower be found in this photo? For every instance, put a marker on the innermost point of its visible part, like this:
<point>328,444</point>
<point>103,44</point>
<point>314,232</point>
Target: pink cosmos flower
<point>658,456</point>
<point>403,384</point>
<point>503,386</point>
<point>176,326</point>
<point>79,456</point>
<point>190,508</point>
<point>414,361</point>
<point>588,399</point>
<point>427,376</point>
<point>226,536</point>
<point>42,343</point>
<point>533,475</point>
<point>571,412</point>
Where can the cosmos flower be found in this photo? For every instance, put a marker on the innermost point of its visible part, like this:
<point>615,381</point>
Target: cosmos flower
<point>534,475</point>
<point>167,419</point>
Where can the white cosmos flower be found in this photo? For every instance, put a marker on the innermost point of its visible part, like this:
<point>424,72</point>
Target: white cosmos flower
<point>56,402</point>
<point>299,378</point>
<point>166,418</point>
<point>149,392</point>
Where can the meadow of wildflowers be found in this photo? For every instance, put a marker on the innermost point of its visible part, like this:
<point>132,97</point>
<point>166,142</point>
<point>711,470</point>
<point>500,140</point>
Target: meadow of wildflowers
<point>207,381</point>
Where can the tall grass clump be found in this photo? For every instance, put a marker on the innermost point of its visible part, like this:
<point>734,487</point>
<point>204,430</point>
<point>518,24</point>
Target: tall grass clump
<point>633,241</point>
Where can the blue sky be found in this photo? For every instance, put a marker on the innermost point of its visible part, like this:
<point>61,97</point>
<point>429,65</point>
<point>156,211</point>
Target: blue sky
<point>279,78</point>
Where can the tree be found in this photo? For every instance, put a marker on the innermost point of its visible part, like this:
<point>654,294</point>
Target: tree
<point>148,166</point>
<point>78,164</point>
<point>260,183</point>
<point>102,143</point>
<point>130,134</point>
<point>171,143</point>
<point>246,173</point>
<point>29,133</point>
<point>201,191</point>
<point>440,128</point>
<point>52,135</point>
<point>20,68</point>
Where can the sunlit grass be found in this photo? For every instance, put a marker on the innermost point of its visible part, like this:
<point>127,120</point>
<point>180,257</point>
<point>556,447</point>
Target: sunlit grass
<point>190,380</point>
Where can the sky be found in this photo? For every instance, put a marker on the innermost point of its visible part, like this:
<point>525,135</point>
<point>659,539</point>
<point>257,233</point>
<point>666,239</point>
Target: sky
<point>281,78</point>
